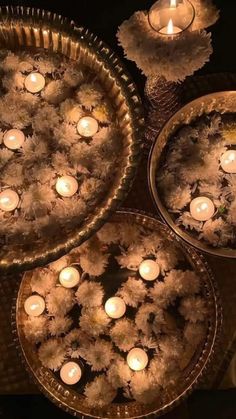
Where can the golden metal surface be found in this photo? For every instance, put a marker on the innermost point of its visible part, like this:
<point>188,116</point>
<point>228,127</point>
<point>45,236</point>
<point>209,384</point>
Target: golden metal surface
<point>220,102</point>
<point>22,27</point>
<point>201,364</point>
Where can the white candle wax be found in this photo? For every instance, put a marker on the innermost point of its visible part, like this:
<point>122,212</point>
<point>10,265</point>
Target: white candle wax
<point>34,82</point>
<point>9,200</point>
<point>67,186</point>
<point>70,373</point>
<point>202,208</point>
<point>228,161</point>
<point>87,126</point>
<point>137,359</point>
<point>149,270</point>
<point>170,29</point>
<point>34,305</point>
<point>115,307</point>
<point>13,139</point>
<point>69,277</point>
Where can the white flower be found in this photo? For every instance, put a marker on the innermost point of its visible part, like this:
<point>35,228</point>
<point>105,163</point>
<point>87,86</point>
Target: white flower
<point>144,388</point>
<point>183,282</point>
<point>45,120</point>
<point>91,188</point>
<point>52,354</point>
<point>59,325</point>
<point>188,222</point>
<point>89,95</point>
<point>133,291</point>
<point>168,257</point>
<point>60,164</point>
<point>94,321</point>
<point>149,318</point>
<point>14,111</point>
<point>99,355</point>
<point>46,64</point>
<point>130,259</point>
<point>11,62</point>
<point>99,392</point>
<point>206,14</point>
<point>25,67</point>
<point>109,233</point>
<point>231,179</point>
<point>162,295</point>
<point>119,374</point>
<point>130,234</point>
<point>178,197</point>
<point>13,174</point>
<point>35,329</point>
<point>71,111</point>
<point>73,76</point>
<point>232,213</point>
<point>45,174</point>
<point>217,232</point>
<point>65,134</point>
<point>152,243</point>
<point>59,301</point>
<point>42,280</point>
<point>13,81</point>
<point>94,263</point>
<point>37,200</point>
<point>194,333</point>
<point>211,189</point>
<point>59,264</point>
<point>171,347</point>
<point>104,113</point>
<point>77,342</point>
<point>124,334</point>
<point>90,294</point>
<point>55,92</point>
<point>193,309</point>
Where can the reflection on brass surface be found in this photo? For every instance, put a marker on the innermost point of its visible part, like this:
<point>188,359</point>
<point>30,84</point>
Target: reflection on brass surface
<point>25,27</point>
<point>75,403</point>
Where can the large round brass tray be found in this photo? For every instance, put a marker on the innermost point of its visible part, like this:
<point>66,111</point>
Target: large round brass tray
<point>221,102</point>
<point>75,403</point>
<point>23,27</point>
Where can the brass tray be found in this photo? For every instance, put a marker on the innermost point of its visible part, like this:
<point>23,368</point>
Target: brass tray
<point>202,361</point>
<point>23,27</point>
<point>221,102</point>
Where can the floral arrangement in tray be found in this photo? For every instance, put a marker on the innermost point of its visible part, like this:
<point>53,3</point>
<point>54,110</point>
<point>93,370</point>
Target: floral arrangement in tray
<point>197,179</point>
<point>59,144</point>
<point>119,318</point>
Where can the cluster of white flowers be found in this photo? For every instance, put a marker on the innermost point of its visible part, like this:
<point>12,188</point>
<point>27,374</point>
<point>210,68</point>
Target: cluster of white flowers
<point>53,146</point>
<point>192,168</point>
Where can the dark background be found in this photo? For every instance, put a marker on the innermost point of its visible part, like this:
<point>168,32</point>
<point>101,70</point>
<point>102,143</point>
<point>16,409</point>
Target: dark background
<point>103,17</point>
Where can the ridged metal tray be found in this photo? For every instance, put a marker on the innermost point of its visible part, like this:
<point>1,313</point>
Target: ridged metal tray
<point>75,403</point>
<point>23,27</point>
<point>221,102</point>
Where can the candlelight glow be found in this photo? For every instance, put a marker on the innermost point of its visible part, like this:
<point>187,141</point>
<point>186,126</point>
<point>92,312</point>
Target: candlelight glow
<point>173,3</point>
<point>170,27</point>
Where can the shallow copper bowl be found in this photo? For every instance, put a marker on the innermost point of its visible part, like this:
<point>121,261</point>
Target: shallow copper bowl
<point>221,102</point>
<point>23,27</point>
<point>200,365</point>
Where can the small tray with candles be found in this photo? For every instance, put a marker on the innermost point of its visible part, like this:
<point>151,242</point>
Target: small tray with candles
<point>192,173</point>
<point>124,325</point>
<point>70,121</point>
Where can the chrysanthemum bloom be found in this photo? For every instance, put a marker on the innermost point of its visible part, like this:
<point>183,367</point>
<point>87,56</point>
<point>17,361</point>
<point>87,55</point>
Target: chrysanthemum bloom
<point>94,321</point>
<point>184,282</point>
<point>162,295</point>
<point>89,95</point>
<point>99,354</point>
<point>42,280</point>
<point>94,262</point>
<point>119,373</point>
<point>99,392</point>
<point>59,301</point>
<point>52,354</point>
<point>71,111</point>
<point>143,387</point>
<point>109,233</point>
<point>194,333</point>
<point>193,309</point>
<point>132,258</point>
<point>35,328</point>
<point>124,334</point>
<point>59,325</point>
<point>73,76</point>
<point>90,294</point>
<point>149,319</point>
<point>133,291</point>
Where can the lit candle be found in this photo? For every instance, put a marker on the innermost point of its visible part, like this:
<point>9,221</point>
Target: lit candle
<point>137,359</point>
<point>67,186</point>
<point>87,126</point>
<point>149,270</point>
<point>202,208</point>
<point>115,307</point>
<point>70,373</point>
<point>170,29</point>
<point>34,82</point>
<point>228,161</point>
<point>9,200</point>
<point>171,17</point>
<point>14,138</point>
<point>69,277</point>
<point>34,305</point>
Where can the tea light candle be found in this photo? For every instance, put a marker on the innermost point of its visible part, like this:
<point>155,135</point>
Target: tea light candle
<point>13,139</point>
<point>228,161</point>
<point>34,82</point>
<point>137,359</point>
<point>67,186</point>
<point>70,373</point>
<point>115,307</point>
<point>202,208</point>
<point>149,270</point>
<point>170,29</point>
<point>9,200</point>
<point>87,126</point>
<point>69,277</point>
<point>171,17</point>
<point>34,305</point>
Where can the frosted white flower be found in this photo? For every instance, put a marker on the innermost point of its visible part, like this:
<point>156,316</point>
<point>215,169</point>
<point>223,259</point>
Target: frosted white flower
<point>94,263</point>
<point>99,392</point>
<point>124,334</point>
<point>59,264</point>
<point>231,189</point>
<point>217,232</point>
<point>71,111</point>
<point>73,76</point>
<point>13,174</point>
<point>94,321</point>
<point>144,388</point>
<point>66,134</point>
<point>194,333</point>
<point>171,347</point>
<point>168,257</point>
<point>104,113</point>
<point>59,325</point>
<point>59,301</point>
<point>60,163</point>
<point>206,14</point>
<point>210,189</point>
<point>99,355</point>
<point>152,243</point>
<point>25,67</point>
<point>37,200</point>
<point>89,95</point>
<point>14,111</point>
<point>11,62</point>
<point>130,234</point>
<point>77,343</point>
<point>46,120</point>
<point>162,295</point>
<point>45,174</point>
<point>109,233</point>
<point>35,329</point>
<point>46,64</point>
<point>183,282</point>
<point>178,197</point>
<point>89,294</point>
<point>119,374</point>
<point>133,291</point>
<point>5,156</point>
<point>193,309</point>
<point>131,258</point>
<point>13,81</point>
<point>55,92</point>
<point>42,280</point>
<point>52,354</point>
<point>91,188</point>
<point>188,222</point>
<point>149,318</point>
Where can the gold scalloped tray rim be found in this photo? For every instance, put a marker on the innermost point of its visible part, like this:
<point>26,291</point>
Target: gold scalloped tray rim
<point>203,104</point>
<point>25,26</point>
<point>69,400</point>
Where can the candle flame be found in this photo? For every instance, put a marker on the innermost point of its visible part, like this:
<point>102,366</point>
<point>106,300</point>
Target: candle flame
<point>170,27</point>
<point>173,3</point>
